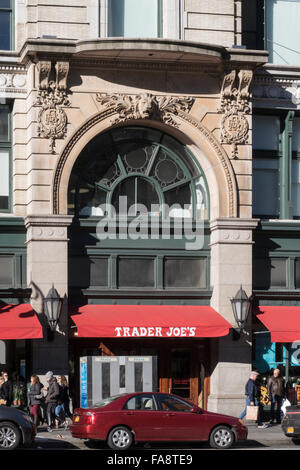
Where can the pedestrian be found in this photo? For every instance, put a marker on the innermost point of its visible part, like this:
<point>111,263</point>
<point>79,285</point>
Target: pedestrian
<point>7,389</point>
<point>251,394</point>
<point>36,397</point>
<point>276,393</point>
<point>52,398</point>
<point>63,408</point>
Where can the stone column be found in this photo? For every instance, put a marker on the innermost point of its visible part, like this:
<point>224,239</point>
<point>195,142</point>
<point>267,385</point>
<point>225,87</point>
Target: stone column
<point>47,263</point>
<point>231,267</point>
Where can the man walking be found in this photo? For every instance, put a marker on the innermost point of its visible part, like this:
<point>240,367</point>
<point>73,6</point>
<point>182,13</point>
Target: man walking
<point>251,393</point>
<point>276,394</point>
<point>7,389</point>
<point>51,398</point>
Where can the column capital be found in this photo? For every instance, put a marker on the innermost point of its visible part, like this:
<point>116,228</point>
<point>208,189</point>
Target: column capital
<point>232,230</point>
<point>47,227</point>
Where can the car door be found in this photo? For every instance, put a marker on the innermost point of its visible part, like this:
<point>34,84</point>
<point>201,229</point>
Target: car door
<point>182,420</point>
<point>141,413</point>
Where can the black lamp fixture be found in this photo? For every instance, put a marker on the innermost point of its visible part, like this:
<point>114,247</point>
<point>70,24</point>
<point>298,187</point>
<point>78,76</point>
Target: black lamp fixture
<point>241,306</point>
<point>52,309</point>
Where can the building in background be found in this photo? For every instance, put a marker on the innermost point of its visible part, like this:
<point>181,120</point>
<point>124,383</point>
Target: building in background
<point>164,102</point>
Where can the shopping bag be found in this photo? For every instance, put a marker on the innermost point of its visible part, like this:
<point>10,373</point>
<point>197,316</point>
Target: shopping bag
<point>284,405</point>
<point>252,412</point>
<point>2,402</point>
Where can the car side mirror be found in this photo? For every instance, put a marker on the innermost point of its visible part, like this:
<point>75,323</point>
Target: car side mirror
<point>196,410</point>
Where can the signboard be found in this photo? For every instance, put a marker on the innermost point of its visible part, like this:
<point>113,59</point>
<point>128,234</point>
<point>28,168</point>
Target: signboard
<point>105,376</point>
<point>83,382</point>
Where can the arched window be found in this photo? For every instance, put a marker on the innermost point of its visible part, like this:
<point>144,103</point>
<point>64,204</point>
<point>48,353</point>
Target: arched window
<point>149,168</point>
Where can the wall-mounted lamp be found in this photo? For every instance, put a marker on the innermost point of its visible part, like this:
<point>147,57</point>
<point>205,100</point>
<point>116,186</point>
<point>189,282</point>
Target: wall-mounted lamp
<point>52,309</point>
<point>241,306</point>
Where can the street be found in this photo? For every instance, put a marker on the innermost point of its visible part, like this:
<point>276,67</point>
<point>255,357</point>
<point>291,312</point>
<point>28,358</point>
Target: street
<point>271,438</point>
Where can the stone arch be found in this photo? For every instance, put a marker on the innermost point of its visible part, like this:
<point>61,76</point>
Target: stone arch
<point>191,132</point>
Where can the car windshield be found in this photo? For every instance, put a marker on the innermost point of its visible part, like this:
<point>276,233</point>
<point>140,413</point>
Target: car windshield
<point>106,401</point>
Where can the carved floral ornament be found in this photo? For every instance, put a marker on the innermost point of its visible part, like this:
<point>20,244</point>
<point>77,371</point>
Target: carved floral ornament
<point>52,97</point>
<point>145,106</point>
<point>234,106</point>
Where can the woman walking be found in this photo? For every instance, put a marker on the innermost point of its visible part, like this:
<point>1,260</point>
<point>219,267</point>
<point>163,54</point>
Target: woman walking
<point>63,408</point>
<point>35,397</point>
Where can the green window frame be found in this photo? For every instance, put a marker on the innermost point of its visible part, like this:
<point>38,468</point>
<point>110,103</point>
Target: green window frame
<point>7,21</point>
<point>129,154</point>
<point>287,158</point>
<point>5,158</point>
<point>155,283</point>
<point>117,8</point>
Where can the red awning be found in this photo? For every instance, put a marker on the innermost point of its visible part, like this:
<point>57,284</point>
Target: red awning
<point>136,321</point>
<point>19,322</point>
<point>282,322</point>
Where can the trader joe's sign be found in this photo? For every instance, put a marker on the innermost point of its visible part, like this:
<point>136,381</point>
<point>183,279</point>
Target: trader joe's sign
<point>157,331</point>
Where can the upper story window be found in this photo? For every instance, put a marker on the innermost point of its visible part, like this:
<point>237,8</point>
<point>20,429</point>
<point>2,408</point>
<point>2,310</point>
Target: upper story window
<point>273,25</point>
<point>148,169</point>
<point>276,166</point>
<point>134,18</point>
<point>282,31</point>
<point>5,148</point>
<point>6,24</point>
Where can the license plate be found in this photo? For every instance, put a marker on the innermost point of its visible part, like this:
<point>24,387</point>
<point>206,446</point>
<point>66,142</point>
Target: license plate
<point>290,430</point>
<point>77,418</point>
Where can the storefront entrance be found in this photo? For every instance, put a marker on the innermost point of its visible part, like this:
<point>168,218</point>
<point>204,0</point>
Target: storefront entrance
<point>183,366</point>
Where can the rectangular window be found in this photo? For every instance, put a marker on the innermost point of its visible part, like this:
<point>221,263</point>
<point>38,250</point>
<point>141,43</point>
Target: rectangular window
<point>185,273</point>
<point>136,272</point>
<point>6,270</point>
<point>266,187</point>
<point>88,272</point>
<point>134,18</point>
<point>270,273</point>
<point>6,25</point>
<point>266,135</point>
<point>282,31</point>
<point>5,160</point>
<point>297,273</point>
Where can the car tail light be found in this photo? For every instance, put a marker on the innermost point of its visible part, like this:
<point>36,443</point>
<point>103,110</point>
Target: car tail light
<point>84,418</point>
<point>90,419</point>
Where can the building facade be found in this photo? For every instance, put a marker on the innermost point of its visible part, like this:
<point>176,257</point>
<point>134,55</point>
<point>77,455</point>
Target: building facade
<point>163,102</point>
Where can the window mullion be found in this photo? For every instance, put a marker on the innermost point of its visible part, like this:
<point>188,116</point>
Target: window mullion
<point>286,168</point>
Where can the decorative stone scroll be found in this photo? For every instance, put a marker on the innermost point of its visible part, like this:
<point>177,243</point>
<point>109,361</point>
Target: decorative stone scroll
<point>145,106</point>
<point>234,106</point>
<point>52,96</point>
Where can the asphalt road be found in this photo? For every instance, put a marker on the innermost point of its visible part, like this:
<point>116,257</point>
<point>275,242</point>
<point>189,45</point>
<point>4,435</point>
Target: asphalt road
<point>258,439</point>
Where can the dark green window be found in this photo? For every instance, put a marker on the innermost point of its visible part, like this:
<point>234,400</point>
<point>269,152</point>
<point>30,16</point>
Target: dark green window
<point>6,25</point>
<point>270,273</point>
<point>148,167</point>
<point>5,160</point>
<point>276,165</point>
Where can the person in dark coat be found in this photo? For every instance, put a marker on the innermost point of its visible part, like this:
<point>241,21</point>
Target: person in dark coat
<point>36,397</point>
<point>251,394</point>
<point>276,392</point>
<point>7,388</point>
<point>62,410</point>
<point>52,398</point>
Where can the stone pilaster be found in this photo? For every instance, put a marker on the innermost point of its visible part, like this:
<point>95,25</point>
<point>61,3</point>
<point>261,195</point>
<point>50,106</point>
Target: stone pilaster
<point>47,263</point>
<point>231,266</point>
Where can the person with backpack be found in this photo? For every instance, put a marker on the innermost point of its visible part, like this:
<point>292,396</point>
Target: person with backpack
<point>52,398</point>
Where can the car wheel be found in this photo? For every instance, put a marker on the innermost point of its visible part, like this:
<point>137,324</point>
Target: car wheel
<point>10,436</point>
<point>120,438</point>
<point>221,438</point>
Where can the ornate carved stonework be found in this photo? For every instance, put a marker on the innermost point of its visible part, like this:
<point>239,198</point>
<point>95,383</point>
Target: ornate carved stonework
<point>52,96</point>
<point>234,106</point>
<point>145,106</point>
<point>12,81</point>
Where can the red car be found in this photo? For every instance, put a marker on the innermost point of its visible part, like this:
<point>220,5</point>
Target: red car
<point>124,419</point>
